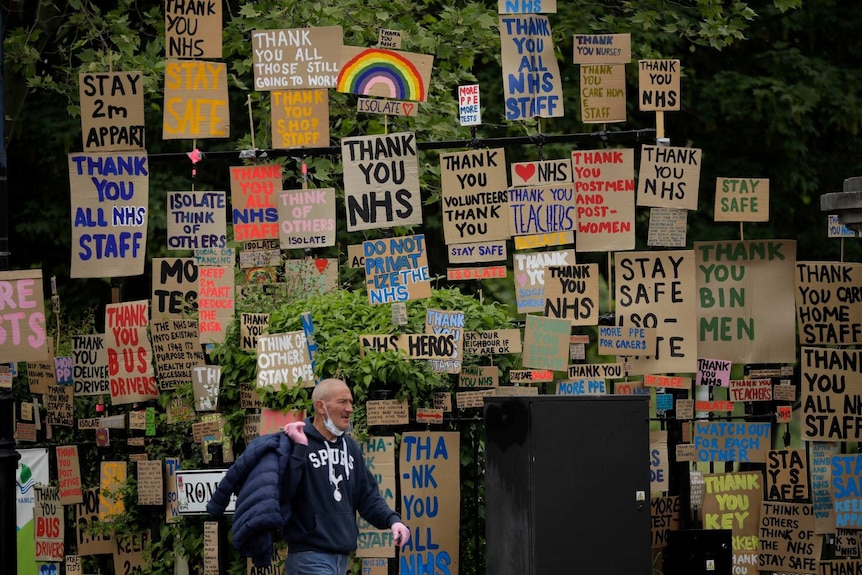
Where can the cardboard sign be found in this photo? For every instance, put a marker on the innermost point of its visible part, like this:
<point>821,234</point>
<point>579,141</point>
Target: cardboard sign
<point>466,274</point>
<point>215,257</point>
<point>296,58</point>
<point>846,477</point>
<point>387,107</point>
<point>300,118</point>
<point>252,325</point>
<point>518,376</point>
<point>69,474</point>
<point>442,322</point>
<point>387,412</point>
<point>478,252</point>
<point>150,482</point>
<point>658,461</point>
<point>602,49</point>
<point>572,293</point>
<point>172,512</point>
<point>604,199</point>
<point>473,399</point>
<point>713,372</point>
<point>90,374</point>
<point>210,548</point>
<point>657,290</point>
<point>24,336</point>
<point>732,501</point>
<point>469,105</point>
<point>196,100</point>
<point>415,345</point>
<point>109,194</point>
<point>129,354</point>
<point>614,340</point>
<point>532,86</point>
<point>379,455</point>
<point>831,394</point>
<point>741,200</point>
<point>541,210</point>
<point>260,258</point>
<point>846,545</point>
<point>526,6</point>
<point>129,552</point>
<point>429,469</point>
<point>543,240</point>
<point>384,73</point>
<point>746,311</point>
<point>87,512</point>
<point>381,181</point>
<point>667,227</point>
<point>215,302</point>
<point>658,83</point>
<point>197,220</point>
<point>787,475</point>
<point>306,218</point>
<point>546,344</point>
<point>40,374</point>
<point>492,342</point>
<point>112,111</point>
<point>838,230</point>
<point>731,441</point>
<point>396,269</point>
<point>49,524</point>
<point>311,276</point>
<point>530,273</point>
<point>669,177</point>
<point>794,550</point>
<point>282,360</point>
<point>206,381</point>
<point>479,376</point>
<point>828,305</point>
<point>750,390</point>
<point>193,30</point>
<point>176,351</point>
<point>390,39</point>
<point>175,287</point>
<point>527,174</point>
<point>112,476</point>
<point>664,512</point>
<point>820,463</point>
<point>473,190</point>
<point>252,197</point>
<point>603,93</point>
<point>73,565</point>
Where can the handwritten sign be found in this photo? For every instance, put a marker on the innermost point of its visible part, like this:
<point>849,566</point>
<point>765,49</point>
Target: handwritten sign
<point>252,325</point>
<point>492,342</point>
<point>664,514</point>
<point>669,177</point>
<point>746,311</point>
<point>150,482</point>
<point>59,401</point>
<point>196,220</point>
<point>129,354</point>
<point>69,474</point>
<point>541,210</point>
<point>602,48</point>
<point>306,218</point>
<point>820,464</point>
<point>112,111</point>
<point>667,227</point>
<point>614,340</point>
<point>215,257</point>
<point>196,100</point>
<point>469,105</point>
<point>176,351</point>
<point>831,394</point>
<point>658,82</point>
<point>296,58</point>
<point>129,552</point>
<point>379,455</point>
<point>545,172</point>
<point>478,252</point>
<point>387,412</point>
<point>387,107</point>
<point>311,276</point>
<point>532,86</point>
<point>741,200</point>
<point>526,6</point>
<point>429,468</point>
<point>206,381</point>
<point>109,194</point>
<point>87,512</point>
<point>215,302</point>
<point>442,322</point>
<point>90,374</point>
<point>390,39</point>
<point>396,269</point>
<point>786,475</point>
<point>282,359</point>
<point>112,476</point>
<point>750,389</point>
<point>49,524</point>
<point>381,181</point>
<point>731,441</point>
<point>604,199</point>
<point>473,190</point>
<point>838,230</point>
<point>828,303</point>
<point>530,273</point>
<point>385,73</point>
<point>713,372</point>
<point>416,345</point>
<point>657,290</point>
<point>732,501</point>
<point>193,30</point>
<point>252,194</point>
<point>175,287</point>
<point>603,93</point>
<point>846,492</point>
<point>300,118</point>
<point>23,336</point>
<point>792,548</point>
<point>572,293</point>
<point>479,376</point>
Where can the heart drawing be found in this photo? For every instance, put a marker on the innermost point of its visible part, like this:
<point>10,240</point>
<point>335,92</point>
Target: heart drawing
<point>525,171</point>
<point>321,264</point>
<point>521,279</point>
<point>407,108</point>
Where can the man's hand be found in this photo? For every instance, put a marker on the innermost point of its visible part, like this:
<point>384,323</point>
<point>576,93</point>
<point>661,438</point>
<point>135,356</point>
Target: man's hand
<point>400,534</point>
<point>296,433</point>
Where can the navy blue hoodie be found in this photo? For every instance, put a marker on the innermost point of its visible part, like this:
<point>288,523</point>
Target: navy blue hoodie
<point>328,483</point>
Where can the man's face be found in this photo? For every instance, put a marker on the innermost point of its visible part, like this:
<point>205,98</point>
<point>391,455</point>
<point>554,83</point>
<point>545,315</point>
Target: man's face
<point>339,405</point>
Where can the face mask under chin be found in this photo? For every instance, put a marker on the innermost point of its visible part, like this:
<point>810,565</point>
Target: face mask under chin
<point>330,425</point>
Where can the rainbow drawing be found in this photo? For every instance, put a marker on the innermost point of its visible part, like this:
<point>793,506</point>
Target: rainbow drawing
<point>384,73</point>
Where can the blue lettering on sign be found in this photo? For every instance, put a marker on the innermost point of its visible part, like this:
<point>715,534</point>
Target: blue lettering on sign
<point>529,89</point>
<point>428,564</point>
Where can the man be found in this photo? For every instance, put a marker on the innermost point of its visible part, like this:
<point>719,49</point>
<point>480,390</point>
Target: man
<point>328,484</point>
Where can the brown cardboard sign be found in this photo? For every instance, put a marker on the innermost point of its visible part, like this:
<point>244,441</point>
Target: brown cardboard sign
<point>664,512</point>
<point>720,441</point>
<point>396,269</point>
<point>732,501</point>
<point>197,220</point>
<point>443,400</point>
<point>172,511</point>
<point>542,209</point>
<point>206,381</point>
<point>658,83</point>
<point>283,360</point>
<point>387,412</point>
<point>390,39</point>
<point>473,399</point>
<point>175,287</point>
<point>379,455</point>
<point>794,550</point>
<point>820,465</point>
<point>90,365</point>
<point>541,241</point>
<point>112,111</point>
<point>546,343</point>
<point>667,227</point>
<point>176,351</point>
<point>415,345</point>
<point>385,73</point>
<point>69,474</point>
<point>542,172</point>
<point>150,482</point>
<point>669,177</point>
<point>193,30</point>
<point>787,475</point>
<point>253,192</point>
<point>215,302</point>
<point>49,524</point>
<point>605,200</point>
<point>475,201</point>
<point>381,181</point>
<point>300,118</point>
<point>40,374</point>
<point>442,322</point>
<point>531,271</point>
<point>603,93</point>
<point>479,376</point>
<point>741,200</point>
<point>429,415</point>
<point>196,100</point>
<point>211,548</point>
<point>614,340</point>
<point>602,48</point>
<point>129,552</point>
<point>468,274</point>
<point>129,353</point>
<point>532,85</point>
<point>746,312</point>
<point>73,565</point>
<point>827,311</point>
<point>526,6</point>
<point>252,326</point>
<point>296,58</point>
<point>215,257</point>
<point>750,390</point>
<point>112,476</point>
<point>87,513</point>
<point>60,404</point>
<point>517,376</point>
<point>311,276</point>
<point>387,107</point>
<point>572,293</point>
<point>306,218</point>
<point>492,342</point>
<point>109,194</point>
<point>831,393</point>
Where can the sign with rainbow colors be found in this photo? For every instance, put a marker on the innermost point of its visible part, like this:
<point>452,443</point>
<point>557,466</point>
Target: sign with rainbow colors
<point>384,73</point>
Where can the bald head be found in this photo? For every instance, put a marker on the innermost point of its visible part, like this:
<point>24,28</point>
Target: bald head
<point>325,388</point>
<point>333,400</point>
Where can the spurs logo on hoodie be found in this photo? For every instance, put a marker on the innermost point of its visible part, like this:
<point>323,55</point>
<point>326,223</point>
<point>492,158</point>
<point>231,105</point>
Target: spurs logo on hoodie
<point>322,457</point>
